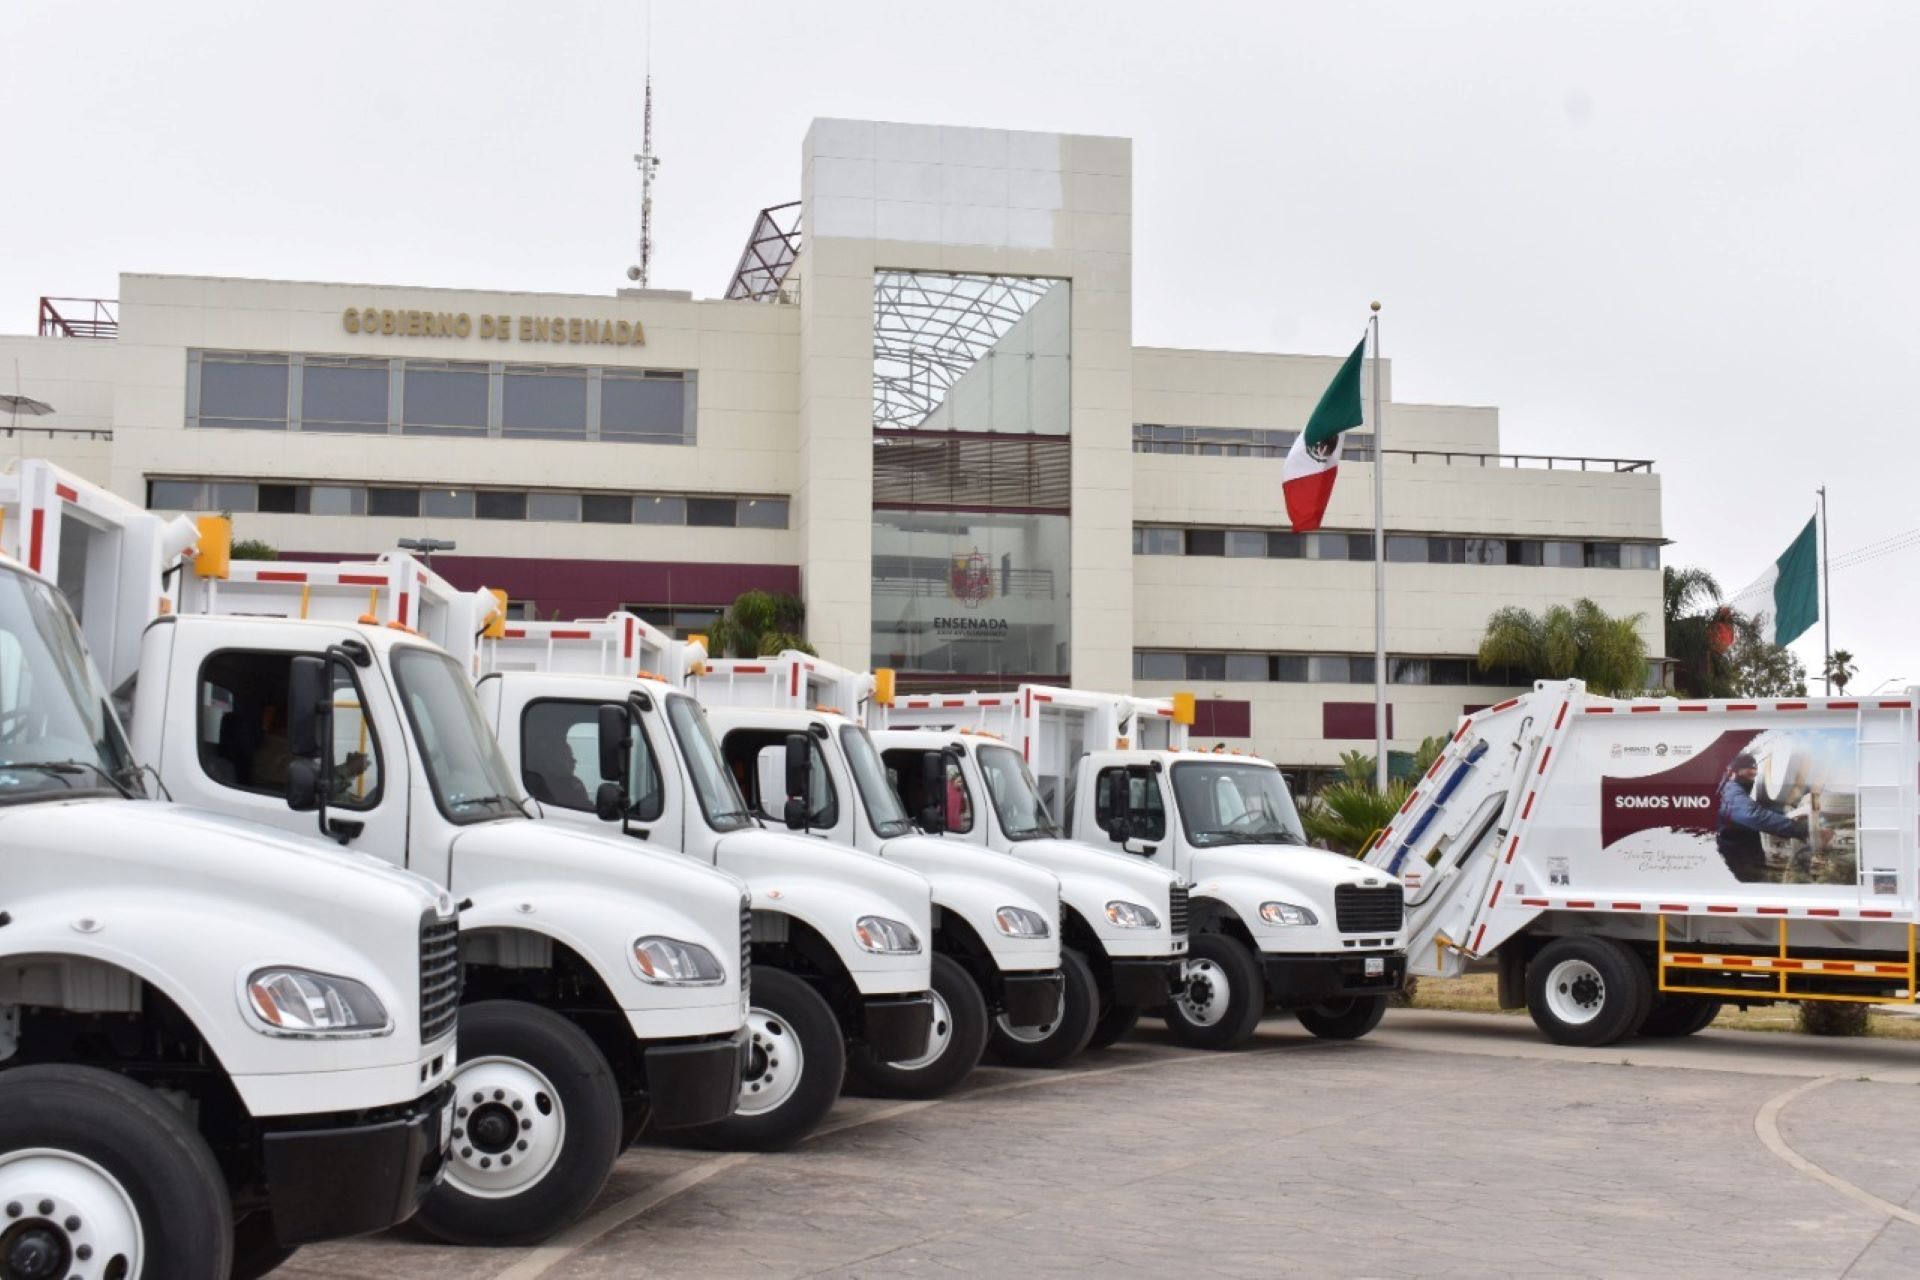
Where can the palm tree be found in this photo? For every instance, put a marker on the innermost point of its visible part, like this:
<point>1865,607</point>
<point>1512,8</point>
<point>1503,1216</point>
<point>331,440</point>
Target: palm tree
<point>760,624</point>
<point>1840,670</point>
<point>1346,813</point>
<point>1581,642</point>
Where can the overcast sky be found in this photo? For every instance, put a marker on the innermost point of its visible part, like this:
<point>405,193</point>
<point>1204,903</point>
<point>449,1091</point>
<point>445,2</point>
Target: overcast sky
<point>1684,232</point>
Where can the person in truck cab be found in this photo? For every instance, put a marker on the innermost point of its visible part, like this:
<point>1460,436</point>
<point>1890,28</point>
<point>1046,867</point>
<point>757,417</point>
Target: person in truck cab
<point>1742,819</point>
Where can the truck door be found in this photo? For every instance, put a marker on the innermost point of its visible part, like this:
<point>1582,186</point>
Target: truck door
<point>231,753</point>
<point>559,764</point>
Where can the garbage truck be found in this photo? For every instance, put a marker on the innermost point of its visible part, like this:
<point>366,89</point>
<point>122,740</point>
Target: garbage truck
<point>838,943</point>
<point>1627,867</point>
<point>1274,923</point>
<point>791,730</point>
<point>603,984</point>
<point>217,1043</point>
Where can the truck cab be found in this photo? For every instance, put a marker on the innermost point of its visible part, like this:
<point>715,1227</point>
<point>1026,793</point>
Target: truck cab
<point>1123,919</point>
<point>216,1042</point>
<point>839,941</point>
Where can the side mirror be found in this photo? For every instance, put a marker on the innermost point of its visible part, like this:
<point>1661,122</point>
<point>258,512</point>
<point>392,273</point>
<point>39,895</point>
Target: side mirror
<point>616,742</point>
<point>610,802</point>
<point>799,767</point>
<point>303,785</point>
<point>1120,829</point>
<point>933,793</point>
<point>796,814</point>
<point>309,734</point>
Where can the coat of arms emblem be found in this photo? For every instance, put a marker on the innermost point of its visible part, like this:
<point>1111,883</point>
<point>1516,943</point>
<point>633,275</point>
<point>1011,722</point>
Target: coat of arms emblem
<point>970,579</point>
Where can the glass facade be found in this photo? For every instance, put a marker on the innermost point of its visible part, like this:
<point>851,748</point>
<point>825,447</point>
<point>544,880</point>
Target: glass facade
<point>975,593</point>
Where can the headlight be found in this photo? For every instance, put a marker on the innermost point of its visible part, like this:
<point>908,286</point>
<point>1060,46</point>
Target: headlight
<point>293,1002</point>
<point>1132,915</point>
<point>1285,913</point>
<point>669,962</point>
<point>1018,922</point>
<point>885,937</point>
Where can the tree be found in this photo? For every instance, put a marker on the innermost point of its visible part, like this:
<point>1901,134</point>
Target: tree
<point>760,624</point>
<point>252,549</point>
<point>1579,642</point>
<point>1718,651</point>
<point>1345,814</point>
<point>1840,670</point>
<point>1762,669</point>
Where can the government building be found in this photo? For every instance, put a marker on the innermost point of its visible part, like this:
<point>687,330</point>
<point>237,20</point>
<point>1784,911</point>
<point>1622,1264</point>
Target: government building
<point>917,405</point>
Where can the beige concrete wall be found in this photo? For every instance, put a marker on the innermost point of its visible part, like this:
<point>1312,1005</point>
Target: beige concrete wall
<point>73,375</point>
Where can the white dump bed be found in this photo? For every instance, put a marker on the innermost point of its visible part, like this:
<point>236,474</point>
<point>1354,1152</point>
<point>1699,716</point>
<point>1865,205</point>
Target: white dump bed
<point>791,681</point>
<point>620,644</point>
<point>1562,802</point>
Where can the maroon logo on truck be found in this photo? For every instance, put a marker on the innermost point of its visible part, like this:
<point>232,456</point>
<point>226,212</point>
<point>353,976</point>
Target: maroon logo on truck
<point>1683,798</point>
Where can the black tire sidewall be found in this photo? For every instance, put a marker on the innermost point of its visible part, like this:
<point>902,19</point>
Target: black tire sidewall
<point>1114,1022</point>
<point>1628,991</point>
<point>967,1010</point>
<point>1074,1029</point>
<point>1246,996</point>
<point>161,1161</point>
<point>823,1070</point>
<point>1673,1017</point>
<point>590,1102</point>
<point>1361,1015</point>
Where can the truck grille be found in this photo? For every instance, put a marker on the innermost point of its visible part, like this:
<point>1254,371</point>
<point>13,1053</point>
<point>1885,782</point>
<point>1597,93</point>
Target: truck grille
<point>439,976</point>
<point>1177,910</point>
<point>1362,910</point>
<point>746,946</point>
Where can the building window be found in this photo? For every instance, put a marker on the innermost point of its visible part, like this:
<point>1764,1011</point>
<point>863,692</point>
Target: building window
<point>678,621</point>
<point>1603,555</point>
<point>646,407</point>
<point>560,508</point>
<point>1206,542</point>
<point>1206,666</point>
<point>442,398</point>
<point>1564,555</point>
<point>1403,549</point>
<point>338,500</point>
<point>282,499</point>
<point>248,392</point>
<point>1246,543</point>
<point>761,513</point>
<point>1159,666</point>
<point>1285,546</point>
<point>500,504</point>
<point>343,394</point>
<point>1246,666</point>
<point>1289,668</point>
<point>606,508</point>
<point>541,402</point>
<point>447,504</point>
<point>659,510</point>
<point>393,502</point>
<point>1151,540</point>
<point>711,513</point>
<point>1330,669</point>
<point>176,495</point>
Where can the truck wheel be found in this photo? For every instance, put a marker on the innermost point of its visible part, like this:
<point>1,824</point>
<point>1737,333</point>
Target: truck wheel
<point>795,1067</point>
<point>101,1177</point>
<point>954,1046</point>
<point>1588,991</point>
<point>1068,1033</point>
<point>536,1127</point>
<point>1115,1021</point>
<point>1222,996</point>
<point>1347,1019</point>
<point>1675,1016</point>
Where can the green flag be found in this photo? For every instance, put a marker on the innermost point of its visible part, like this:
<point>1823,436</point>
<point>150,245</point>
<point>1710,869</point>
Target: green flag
<point>1796,587</point>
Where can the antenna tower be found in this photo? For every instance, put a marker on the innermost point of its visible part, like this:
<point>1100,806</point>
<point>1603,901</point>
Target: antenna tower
<point>648,162</point>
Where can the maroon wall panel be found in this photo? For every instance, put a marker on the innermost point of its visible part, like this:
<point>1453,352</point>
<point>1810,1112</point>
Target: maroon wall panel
<point>1350,720</point>
<point>1220,718</point>
<point>594,588</point>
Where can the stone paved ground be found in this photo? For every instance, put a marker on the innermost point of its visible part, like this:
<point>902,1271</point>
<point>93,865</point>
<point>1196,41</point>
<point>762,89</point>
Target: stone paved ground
<point>1443,1145</point>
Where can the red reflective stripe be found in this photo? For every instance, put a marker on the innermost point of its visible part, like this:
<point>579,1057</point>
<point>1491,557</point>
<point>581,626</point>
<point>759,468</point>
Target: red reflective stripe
<point>1743,706</point>
<point>1692,706</point>
<point>1513,847</point>
<point>1575,906</point>
<point>1436,766</point>
<point>989,702</point>
<point>1599,711</point>
<point>1642,710</point>
<point>1562,717</point>
<point>564,634</point>
<point>953,702</point>
<point>515,634</point>
<point>1843,706</point>
<point>1533,902</point>
<point>1788,964</point>
<point>1502,706</point>
<point>1789,706</point>
<point>279,575</point>
<point>361,580</point>
<point>1464,726</point>
<point>1673,906</point>
<point>1893,706</point>
<point>1497,886</point>
<point>1544,757</point>
<point>1478,936</point>
<point>795,681</point>
<point>33,541</point>
<point>628,653</point>
<point>1773,911</point>
<point>1877,915</point>
<point>1724,910</point>
<point>62,491</point>
<point>1410,799</point>
<point>1043,697</point>
<point>1626,906</point>
<point>1823,911</point>
<point>404,600</point>
<point>750,670</point>
<point>1528,807</point>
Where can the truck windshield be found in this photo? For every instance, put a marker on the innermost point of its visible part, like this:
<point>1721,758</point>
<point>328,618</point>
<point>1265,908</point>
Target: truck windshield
<point>884,810</point>
<point>1016,800</point>
<point>470,779</point>
<point>1229,802</point>
<point>720,797</point>
<point>58,734</point>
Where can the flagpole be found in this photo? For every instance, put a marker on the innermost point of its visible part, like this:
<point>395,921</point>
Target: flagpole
<point>1379,571</point>
<point>1826,599</point>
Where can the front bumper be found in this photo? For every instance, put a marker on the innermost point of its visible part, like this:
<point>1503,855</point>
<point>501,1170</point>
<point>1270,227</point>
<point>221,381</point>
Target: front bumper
<point>1031,999</point>
<point>325,1181</point>
<point>691,1084</point>
<point>1293,981</point>
<point>897,1027</point>
<point>1144,982</point>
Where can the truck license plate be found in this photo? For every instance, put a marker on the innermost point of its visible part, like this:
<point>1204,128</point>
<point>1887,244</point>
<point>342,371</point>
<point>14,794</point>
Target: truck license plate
<point>1376,967</point>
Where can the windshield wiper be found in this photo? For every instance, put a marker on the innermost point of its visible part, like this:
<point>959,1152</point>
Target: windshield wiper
<point>63,769</point>
<point>494,799</point>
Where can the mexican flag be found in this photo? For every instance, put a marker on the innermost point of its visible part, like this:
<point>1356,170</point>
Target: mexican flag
<point>1307,479</point>
<point>1791,588</point>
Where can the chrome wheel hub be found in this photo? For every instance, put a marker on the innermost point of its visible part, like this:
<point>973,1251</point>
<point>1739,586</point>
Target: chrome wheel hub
<point>508,1128</point>
<point>61,1216</point>
<point>775,1063</point>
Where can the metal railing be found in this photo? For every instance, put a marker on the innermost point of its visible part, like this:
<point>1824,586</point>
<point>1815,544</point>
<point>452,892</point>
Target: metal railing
<point>1441,457</point>
<point>79,317</point>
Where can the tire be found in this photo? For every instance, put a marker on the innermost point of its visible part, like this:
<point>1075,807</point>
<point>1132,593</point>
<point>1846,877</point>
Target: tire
<point>81,1143</point>
<point>1588,991</point>
<point>255,1250</point>
<point>1675,1016</point>
<point>959,1038</point>
<point>1344,1019</point>
<point>798,1063</point>
<point>1064,1037</point>
<point>1225,994</point>
<point>1114,1021</point>
<point>536,1128</point>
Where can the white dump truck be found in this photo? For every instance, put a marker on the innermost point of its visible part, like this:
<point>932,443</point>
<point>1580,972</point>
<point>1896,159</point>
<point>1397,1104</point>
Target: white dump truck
<point>1628,866</point>
<point>811,763</point>
<point>1274,923</point>
<point>841,965</point>
<point>604,982</point>
<point>216,1043</point>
